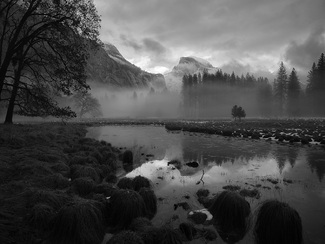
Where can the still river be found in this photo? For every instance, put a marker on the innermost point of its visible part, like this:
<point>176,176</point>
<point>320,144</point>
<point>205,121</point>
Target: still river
<point>223,161</point>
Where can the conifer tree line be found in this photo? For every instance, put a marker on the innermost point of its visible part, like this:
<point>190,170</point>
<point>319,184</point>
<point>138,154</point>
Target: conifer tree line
<point>209,95</point>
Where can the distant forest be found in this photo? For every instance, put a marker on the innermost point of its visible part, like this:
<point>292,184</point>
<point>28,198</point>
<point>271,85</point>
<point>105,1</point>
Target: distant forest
<point>206,95</point>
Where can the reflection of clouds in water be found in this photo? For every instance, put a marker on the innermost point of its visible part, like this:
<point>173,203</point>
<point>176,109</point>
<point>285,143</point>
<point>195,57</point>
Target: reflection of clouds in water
<point>174,151</point>
<point>158,171</point>
<point>149,170</point>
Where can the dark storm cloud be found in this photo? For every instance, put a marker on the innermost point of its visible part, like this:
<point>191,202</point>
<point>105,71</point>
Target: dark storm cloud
<point>131,43</point>
<point>154,46</point>
<point>223,29</point>
<point>147,46</point>
<point>302,55</point>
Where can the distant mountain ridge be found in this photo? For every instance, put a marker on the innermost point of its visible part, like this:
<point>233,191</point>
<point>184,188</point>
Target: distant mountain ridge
<point>107,66</point>
<point>187,65</point>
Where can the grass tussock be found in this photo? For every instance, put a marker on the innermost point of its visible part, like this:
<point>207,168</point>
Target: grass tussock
<point>37,163</point>
<point>78,222</point>
<point>139,181</point>
<point>78,171</point>
<point>40,217</point>
<point>82,186</point>
<point>125,183</point>
<point>124,207</point>
<point>54,181</point>
<point>126,237</point>
<point>140,224</point>
<point>150,201</point>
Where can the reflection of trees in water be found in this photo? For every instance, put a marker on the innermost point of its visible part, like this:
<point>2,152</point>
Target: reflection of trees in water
<point>282,154</point>
<point>316,161</point>
<point>220,149</point>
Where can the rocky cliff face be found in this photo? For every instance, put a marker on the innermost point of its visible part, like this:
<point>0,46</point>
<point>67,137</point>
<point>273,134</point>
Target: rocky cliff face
<point>108,66</point>
<point>186,65</point>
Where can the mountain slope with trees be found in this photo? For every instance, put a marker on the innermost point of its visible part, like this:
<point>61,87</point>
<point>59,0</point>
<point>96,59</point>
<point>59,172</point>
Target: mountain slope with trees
<point>107,66</point>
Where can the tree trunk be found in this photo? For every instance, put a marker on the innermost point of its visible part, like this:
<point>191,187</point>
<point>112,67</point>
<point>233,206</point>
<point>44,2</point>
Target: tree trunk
<point>11,106</point>
<point>3,71</point>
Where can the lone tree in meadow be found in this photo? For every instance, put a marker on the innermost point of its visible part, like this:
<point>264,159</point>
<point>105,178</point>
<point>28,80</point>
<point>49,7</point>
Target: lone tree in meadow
<point>238,112</point>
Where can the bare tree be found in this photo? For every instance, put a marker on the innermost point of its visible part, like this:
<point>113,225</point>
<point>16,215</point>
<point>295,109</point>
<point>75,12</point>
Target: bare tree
<point>44,48</point>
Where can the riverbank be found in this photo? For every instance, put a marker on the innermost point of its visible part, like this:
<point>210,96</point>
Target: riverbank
<point>301,131</point>
<point>293,131</point>
<point>42,168</point>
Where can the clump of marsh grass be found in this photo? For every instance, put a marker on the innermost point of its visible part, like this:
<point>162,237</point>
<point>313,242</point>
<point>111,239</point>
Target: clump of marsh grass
<point>277,222</point>
<point>106,189</point>
<point>124,207</point>
<point>55,199</point>
<point>125,183</point>
<point>82,186</point>
<point>78,171</point>
<point>162,235</point>
<point>78,222</point>
<point>139,181</point>
<point>40,216</point>
<point>150,201</point>
<point>8,225</point>
<point>55,181</point>
<point>231,216</point>
<point>126,237</point>
<point>140,224</point>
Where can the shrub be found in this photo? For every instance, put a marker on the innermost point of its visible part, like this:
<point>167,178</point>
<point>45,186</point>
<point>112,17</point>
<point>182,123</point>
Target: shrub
<point>78,171</point>
<point>105,189</point>
<point>40,216</point>
<point>203,193</point>
<point>77,223</point>
<point>140,224</point>
<point>162,235</point>
<point>231,216</point>
<point>188,230</point>
<point>54,199</point>
<point>55,181</point>
<point>126,237</point>
<point>111,178</point>
<point>139,181</point>
<point>82,186</point>
<point>150,201</point>
<point>277,222</point>
<point>8,225</point>
<point>125,183</point>
<point>124,207</point>
<point>61,168</point>
<point>78,160</point>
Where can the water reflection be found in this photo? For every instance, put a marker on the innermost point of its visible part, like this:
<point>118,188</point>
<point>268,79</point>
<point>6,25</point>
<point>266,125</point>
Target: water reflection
<point>223,161</point>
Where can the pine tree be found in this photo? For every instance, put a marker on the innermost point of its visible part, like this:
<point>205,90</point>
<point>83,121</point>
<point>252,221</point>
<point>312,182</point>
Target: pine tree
<point>264,97</point>
<point>294,91</point>
<point>316,87</point>
<point>311,80</point>
<point>280,89</point>
<point>321,73</point>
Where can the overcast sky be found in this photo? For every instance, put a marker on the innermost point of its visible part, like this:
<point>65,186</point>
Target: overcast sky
<point>244,35</point>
